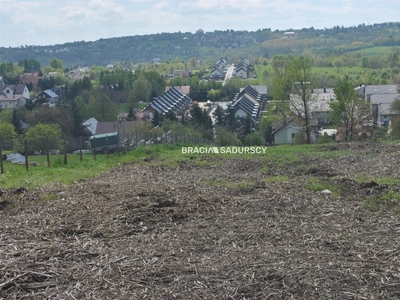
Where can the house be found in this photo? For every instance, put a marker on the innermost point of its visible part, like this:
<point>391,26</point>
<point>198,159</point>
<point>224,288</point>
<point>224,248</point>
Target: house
<point>125,129</point>
<point>380,99</point>
<point>48,97</point>
<point>241,69</point>
<point>30,78</point>
<point>59,90</point>
<point>366,91</point>
<point>381,107</point>
<point>173,100</point>
<point>182,73</point>
<point>184,89</point>
<point>292,131</point>
<point>91,125</point>
<point>218,72</point>
<point>318,104</point>
<point>13,95</point>
<point>249,101</point>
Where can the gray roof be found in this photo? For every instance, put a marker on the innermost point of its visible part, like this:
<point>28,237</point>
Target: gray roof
<point>91,125</point>
<point>383,98</point>
<point>51,94</point>
<point>249,100</point>
<point>378,89</point>
<point>172,100</point>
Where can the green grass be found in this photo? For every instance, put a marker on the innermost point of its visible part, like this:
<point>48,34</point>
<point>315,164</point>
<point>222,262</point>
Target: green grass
<point>376,50</point>
<point>389,201</point>
<point>283,178</point>
<point>317,185</point>
<point>386,180</point>
<point>168,155</point>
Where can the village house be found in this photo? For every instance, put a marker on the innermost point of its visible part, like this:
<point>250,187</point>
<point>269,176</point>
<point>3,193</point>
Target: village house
<point>218,72</point>
<point>48,97</point>
<point>380,99</point>
<point>241,69</point>
<point>30,78</point>
<point>250,101</point>
<point>173,100</point>
<point>13,96</point>
<point>292,131</point>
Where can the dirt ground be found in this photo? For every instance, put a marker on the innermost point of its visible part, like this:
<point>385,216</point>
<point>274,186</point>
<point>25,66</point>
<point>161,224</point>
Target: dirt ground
<point>219,229</point>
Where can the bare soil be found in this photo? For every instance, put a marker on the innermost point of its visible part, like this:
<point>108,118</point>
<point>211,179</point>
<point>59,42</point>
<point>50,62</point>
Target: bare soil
<point>216,230</point>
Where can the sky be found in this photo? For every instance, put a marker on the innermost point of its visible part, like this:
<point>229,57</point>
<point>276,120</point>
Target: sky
<point>50,22</point>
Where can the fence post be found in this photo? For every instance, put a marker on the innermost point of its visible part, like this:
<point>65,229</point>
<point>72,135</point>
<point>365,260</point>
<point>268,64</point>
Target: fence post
<point>94,147</point>
<point>65,150</point>
<point>107,145</point>
<point>118,146</point>
<point>47,151</point>
<point>26,154</point>
<point>1,157</point>
<point>80,147</point>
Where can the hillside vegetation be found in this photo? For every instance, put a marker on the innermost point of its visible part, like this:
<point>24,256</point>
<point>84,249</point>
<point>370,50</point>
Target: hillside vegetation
<point>211,45</point>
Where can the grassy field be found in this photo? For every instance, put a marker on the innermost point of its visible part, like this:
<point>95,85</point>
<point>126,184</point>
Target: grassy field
<point>169,155</point>
<point>376,50</point>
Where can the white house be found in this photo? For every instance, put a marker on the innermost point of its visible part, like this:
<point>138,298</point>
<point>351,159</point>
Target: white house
<point>13,95</point>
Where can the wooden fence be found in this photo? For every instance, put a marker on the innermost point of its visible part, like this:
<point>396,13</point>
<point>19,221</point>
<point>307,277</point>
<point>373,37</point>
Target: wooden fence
<point>82,145</point>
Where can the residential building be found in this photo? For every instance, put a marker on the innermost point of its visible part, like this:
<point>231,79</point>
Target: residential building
<point>249,101</point>
<point>292,131</point>
<point>241,69</point>
<point>182,73</point>
<point>13,95</point>
<point>48,97</point>
<point>218,72</point>
<point>380,99</point>
<point>173,100</point>
<point>30,78</point>
<point>318,104</point>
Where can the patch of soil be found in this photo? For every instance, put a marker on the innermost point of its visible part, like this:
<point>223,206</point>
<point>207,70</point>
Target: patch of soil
<point>143,231</point>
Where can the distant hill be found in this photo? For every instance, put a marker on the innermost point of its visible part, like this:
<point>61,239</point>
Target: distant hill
<point>205,46</point>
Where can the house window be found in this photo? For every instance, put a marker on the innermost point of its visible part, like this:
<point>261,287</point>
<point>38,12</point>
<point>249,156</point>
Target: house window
<point>293,135</point>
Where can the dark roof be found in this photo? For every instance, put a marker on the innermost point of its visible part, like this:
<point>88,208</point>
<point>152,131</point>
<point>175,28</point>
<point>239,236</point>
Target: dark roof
<point>17,88</point>
<point>172,100</point>
<point>249,100</point>
<point>106,127</point>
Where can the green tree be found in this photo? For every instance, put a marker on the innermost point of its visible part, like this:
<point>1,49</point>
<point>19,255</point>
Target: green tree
<point>82,107</point>
<point>57,64</point>
<point>29,65</point>
<point>102,108</point>
<point>346,109</point>
<point>77,117</point>
<point>15,120</point>
<point>7,131</point>
<point>219,115</point>
<point>142,90</point>
<point>224,137</point>
<point>157,118</point>
<point>394,129</point>
<point>37,135</point>
<point>6,115</point>
<point>299,71</point>
<point>254,139</point>
<point>131,115</point>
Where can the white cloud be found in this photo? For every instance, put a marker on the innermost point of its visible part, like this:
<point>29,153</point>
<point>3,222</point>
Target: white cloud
<point>162,6</point>
<point>58,21</point>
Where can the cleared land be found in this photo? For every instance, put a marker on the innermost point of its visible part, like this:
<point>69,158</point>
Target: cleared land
<point>211,228</point>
